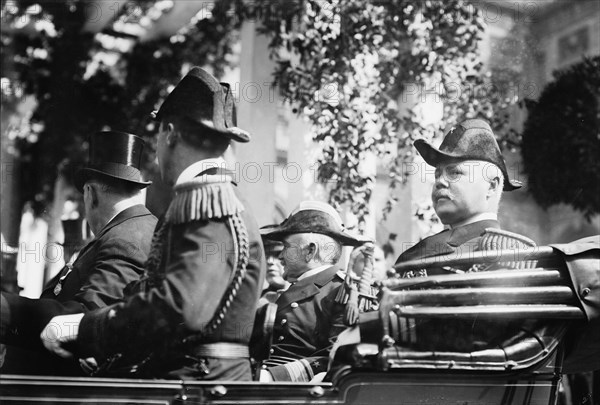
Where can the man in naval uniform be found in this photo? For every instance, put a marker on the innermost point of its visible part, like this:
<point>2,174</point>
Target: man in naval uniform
<point>111,185</point>
<point>470,175</point>
<point>192,314</point>
<point>309,317</point>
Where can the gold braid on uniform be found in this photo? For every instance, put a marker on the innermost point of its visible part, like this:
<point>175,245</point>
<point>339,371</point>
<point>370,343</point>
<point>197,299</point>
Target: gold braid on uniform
<point>212,197</point>
<point>242,255</point>
<point>499,239</point>
<point>209,196</point>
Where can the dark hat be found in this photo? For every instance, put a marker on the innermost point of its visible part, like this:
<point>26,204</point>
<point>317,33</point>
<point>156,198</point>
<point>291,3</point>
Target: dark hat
<point>472,139</point>
<point>201,98</point>
<point>312,217</point>
<point>114,155</point>
<point>272,247</point>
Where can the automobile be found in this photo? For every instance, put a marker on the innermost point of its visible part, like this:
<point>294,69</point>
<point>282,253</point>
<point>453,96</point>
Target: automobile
<point>531,328</point>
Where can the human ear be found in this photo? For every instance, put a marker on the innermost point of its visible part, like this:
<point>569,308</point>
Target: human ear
<point>493,187</point>
<point>171,137</point>
<point>93,193</point>
<point>311,250</point>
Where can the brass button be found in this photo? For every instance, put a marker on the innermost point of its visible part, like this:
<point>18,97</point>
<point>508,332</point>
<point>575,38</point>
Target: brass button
<point>280,338</point>
<point>294,305</point>
<point>585,292</point>
<point>271,351</point>
<point>283,321</point>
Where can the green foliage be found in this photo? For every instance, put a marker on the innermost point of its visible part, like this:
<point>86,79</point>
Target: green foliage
<point>348,66</point>
<point>561,142</point>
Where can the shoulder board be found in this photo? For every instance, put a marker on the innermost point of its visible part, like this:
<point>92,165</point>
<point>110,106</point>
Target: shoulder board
<point>202,198</point>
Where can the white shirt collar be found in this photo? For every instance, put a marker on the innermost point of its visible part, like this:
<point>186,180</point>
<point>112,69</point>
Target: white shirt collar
<point>196,168</point>
<point>314,271</point>
<point>476,218</point>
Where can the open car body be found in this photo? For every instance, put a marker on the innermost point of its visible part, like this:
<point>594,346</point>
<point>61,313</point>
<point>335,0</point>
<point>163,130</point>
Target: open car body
<point>542,315</point>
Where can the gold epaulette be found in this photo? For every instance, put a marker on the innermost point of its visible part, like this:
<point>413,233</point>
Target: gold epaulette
<point>498,239</point>
<point>204,197</point>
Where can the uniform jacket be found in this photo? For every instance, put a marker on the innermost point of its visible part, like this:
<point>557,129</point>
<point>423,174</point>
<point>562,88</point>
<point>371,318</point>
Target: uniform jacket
<point>460,240</point>
<point>455,335</point>
<point>307,323</point>
<point>96,279</point>
<point>181,293</point>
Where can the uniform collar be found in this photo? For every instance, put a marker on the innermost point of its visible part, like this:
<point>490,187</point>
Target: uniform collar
<point>461,234</point>
<point>314,271</point>
<point>476,218</point>
<point>195,169</point>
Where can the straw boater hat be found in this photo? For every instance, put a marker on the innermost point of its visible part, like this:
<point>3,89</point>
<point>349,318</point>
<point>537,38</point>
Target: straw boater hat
<point>113,155</point>
<point>313,217</point>
<point>472,139</point>
<point>200,98</point>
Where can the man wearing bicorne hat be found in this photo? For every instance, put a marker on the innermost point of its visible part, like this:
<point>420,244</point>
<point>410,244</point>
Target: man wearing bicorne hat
<point>192,314</point>
<point>308,318</point>
<point>111,184</point>
<point>470,175</point>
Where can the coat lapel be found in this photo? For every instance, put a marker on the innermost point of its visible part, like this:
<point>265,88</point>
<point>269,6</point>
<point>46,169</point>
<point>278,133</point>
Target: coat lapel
<point>306,287</point>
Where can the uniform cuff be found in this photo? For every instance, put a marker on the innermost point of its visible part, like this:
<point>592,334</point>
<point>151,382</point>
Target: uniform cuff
<point>91,340</point>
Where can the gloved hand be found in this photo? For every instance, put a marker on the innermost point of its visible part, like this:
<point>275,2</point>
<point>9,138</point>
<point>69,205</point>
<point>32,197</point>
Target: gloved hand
<point>60,330</point>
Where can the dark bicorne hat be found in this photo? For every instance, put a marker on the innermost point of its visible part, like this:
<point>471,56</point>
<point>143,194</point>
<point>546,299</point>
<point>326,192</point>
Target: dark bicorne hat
<point>312,217</point>
<point>113,155</point>
<point>472,139</point>
<point>201,98</point>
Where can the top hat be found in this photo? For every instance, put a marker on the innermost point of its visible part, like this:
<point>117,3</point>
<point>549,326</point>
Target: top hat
<point>113,155</point>
<point>201,98</point>
<point>472,139</point>
<point>312,217</point>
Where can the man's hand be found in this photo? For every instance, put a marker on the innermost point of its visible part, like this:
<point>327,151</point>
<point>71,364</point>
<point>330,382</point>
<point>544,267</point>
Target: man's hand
<point>89,365</point>
<point>60,330</point>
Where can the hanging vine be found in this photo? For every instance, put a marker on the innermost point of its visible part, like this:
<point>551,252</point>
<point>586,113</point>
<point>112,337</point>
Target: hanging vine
<point>348,67</point>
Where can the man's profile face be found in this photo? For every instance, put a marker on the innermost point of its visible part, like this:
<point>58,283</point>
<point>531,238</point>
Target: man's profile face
<point>274,274</point>
<point>293,255</point>
<point>459,191</point>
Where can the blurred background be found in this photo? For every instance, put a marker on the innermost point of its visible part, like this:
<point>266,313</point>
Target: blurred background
<point>333,92</point>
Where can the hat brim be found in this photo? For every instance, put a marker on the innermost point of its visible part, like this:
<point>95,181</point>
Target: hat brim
<point>435,157</point>
<point>84,174</point>
<point>234,133</point>
<point>280,232</point>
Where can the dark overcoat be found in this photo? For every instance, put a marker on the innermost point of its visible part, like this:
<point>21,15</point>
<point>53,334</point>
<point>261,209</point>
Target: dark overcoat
<point>96,279</point>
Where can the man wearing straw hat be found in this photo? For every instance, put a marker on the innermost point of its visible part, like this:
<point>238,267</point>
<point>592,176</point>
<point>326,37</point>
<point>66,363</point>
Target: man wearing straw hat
<point>309,317</point>
<point>192,315</point>
<point>111,185</point>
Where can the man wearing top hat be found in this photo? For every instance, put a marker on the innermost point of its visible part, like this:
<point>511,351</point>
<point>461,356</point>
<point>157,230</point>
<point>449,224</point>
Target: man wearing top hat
<point>309,317</point>
<point>470,176</point>
<point>111,185</point>
<point>192,314</point>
